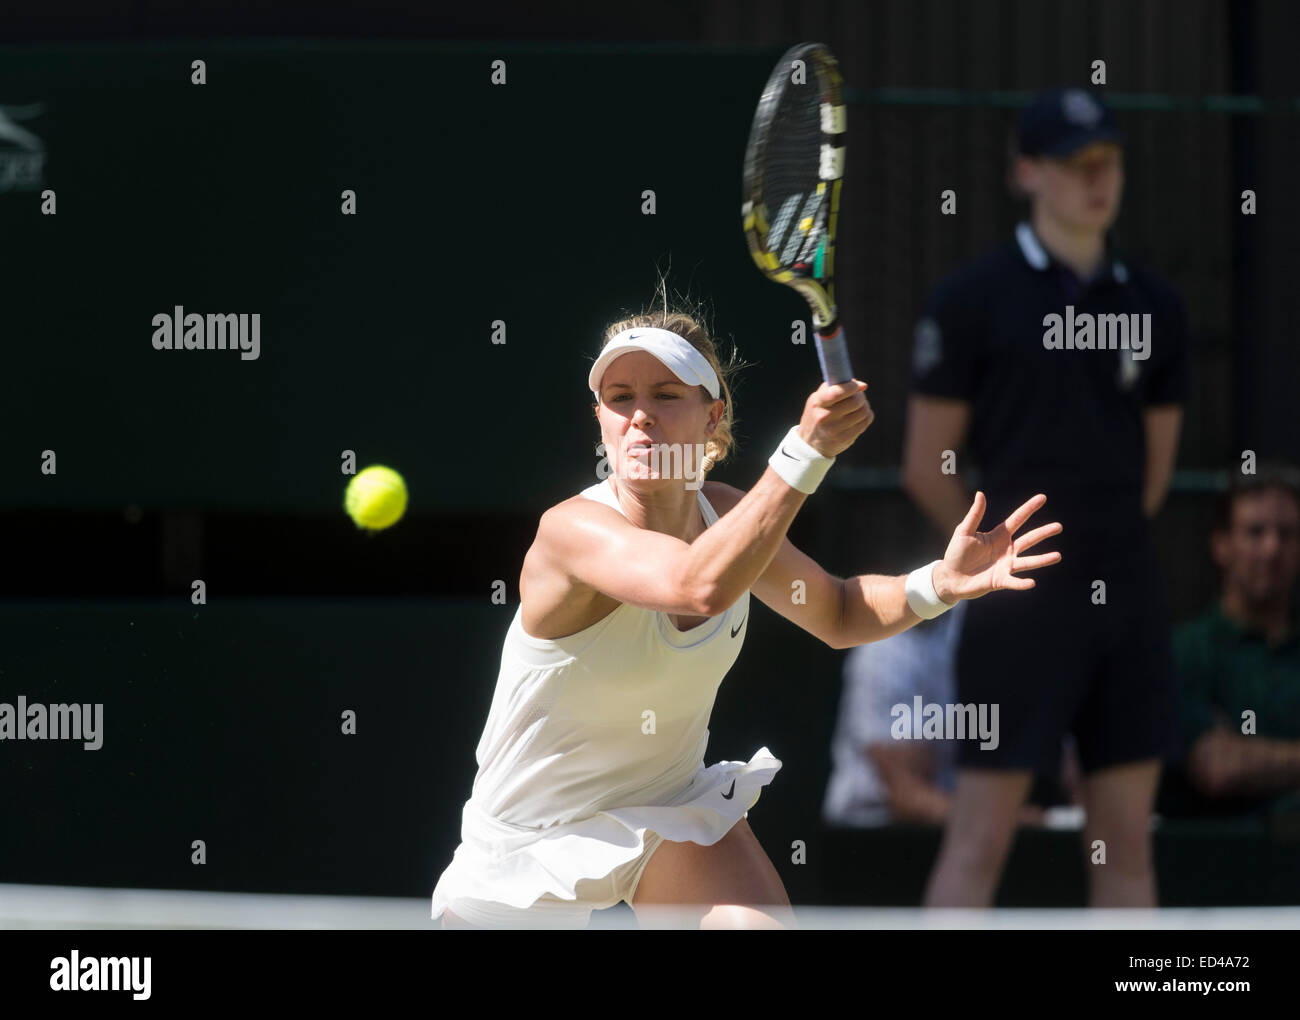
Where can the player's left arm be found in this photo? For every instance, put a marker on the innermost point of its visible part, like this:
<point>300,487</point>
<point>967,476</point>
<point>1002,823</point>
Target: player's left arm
<point>841,612</point>
<point>846,612</point>
<point>1162,423</point>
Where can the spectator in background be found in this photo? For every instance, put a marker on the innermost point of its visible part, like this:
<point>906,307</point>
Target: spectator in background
<point>1238,665</point>
<point>878,779</point>
<point>875,779</point>
<point>1095,428</point>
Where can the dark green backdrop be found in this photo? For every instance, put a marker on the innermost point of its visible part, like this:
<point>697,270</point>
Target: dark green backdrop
<point>475,203</point>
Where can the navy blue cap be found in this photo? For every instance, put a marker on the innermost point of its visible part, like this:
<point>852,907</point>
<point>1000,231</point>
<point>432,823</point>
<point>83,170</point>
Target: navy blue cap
<point>1061,122</point>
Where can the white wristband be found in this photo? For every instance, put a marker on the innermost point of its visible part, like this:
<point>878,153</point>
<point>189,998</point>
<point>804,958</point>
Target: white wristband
<point>800,466</point>
<point>921,596</point>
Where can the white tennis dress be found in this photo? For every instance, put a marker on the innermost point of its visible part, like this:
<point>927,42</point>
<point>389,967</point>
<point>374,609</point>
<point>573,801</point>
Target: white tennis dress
<point>593,753</point>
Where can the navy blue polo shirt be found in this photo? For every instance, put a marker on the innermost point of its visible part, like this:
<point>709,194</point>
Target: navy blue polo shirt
<point>1068,423</point>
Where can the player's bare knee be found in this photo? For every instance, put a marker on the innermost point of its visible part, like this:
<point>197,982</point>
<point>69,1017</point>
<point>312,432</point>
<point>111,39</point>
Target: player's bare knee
<point>732,916</point>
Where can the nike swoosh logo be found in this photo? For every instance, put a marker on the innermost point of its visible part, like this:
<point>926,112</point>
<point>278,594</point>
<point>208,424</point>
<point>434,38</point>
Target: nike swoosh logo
<point>736,629</point>
<point>730,793</point>
<point>790,455</point>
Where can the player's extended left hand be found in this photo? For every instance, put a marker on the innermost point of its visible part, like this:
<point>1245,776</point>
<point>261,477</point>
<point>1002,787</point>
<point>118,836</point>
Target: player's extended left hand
<point>978,562</point>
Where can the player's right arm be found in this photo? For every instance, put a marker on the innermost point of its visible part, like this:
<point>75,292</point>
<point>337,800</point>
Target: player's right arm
<point>586,547</point>
<point>935,425</point>
<point>582,544</point>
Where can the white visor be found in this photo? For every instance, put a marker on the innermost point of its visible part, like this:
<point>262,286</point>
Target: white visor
<point>683,360</point>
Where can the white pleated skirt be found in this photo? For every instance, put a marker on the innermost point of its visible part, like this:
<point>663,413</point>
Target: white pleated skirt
<point>516,866</point>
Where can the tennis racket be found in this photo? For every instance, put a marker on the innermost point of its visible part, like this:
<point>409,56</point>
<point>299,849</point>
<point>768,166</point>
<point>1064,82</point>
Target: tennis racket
<point>794,163</point>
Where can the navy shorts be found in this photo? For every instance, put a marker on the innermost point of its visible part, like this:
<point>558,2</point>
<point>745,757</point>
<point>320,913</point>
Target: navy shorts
<point>1056,663</point>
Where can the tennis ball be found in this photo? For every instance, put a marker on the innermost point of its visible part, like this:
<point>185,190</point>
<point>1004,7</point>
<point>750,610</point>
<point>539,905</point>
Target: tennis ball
<point>376,498</point>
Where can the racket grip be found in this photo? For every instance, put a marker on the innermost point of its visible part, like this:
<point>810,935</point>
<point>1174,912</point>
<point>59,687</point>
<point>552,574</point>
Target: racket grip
<point>833,353</point>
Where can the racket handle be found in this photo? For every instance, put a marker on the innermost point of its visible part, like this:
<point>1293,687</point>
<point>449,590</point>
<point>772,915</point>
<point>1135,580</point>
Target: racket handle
<point>833,353</point>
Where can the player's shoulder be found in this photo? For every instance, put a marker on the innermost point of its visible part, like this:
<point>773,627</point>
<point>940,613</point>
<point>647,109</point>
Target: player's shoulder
<point>585,503</point>
<point>569,517</point>
<point>570,528</point>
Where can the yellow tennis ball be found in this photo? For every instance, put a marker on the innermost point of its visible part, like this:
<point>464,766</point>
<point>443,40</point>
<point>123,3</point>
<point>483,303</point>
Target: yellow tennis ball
<point>376,498</point>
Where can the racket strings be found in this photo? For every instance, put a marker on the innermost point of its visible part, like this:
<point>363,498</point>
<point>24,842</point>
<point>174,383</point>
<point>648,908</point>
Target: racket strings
<point>792,184</point>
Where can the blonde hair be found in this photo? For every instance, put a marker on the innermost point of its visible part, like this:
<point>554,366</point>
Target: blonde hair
<point>690,326</point>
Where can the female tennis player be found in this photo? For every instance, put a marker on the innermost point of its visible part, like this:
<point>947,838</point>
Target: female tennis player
<point>591,788</point>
